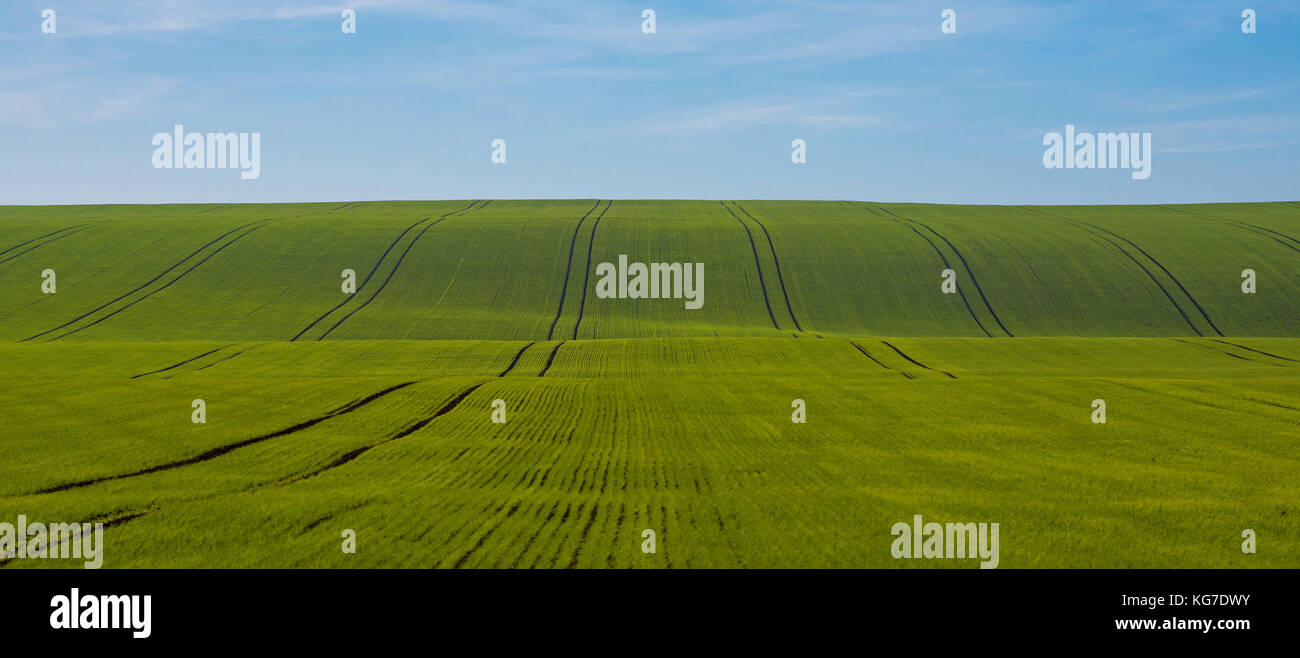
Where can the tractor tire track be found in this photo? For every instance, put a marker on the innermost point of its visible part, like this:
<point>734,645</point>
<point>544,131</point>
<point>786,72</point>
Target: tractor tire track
<point>1235,356</point>
<point>222,360</point>
<point>145,284</point>
<point>407,431</point>
<point>568,265</point>
<point>1134,260</point>
<point>391,272</point>
<point>1248,349</point>
<point>1171,276</point>
<point>757,264</point>
<point>586,278</point>
<point>66,228</point>
<point>515,360</point>
<point>87,526</point>
<point>161,288</point>
<point>372,272</point>
<point>550,359</point>
<point>213,453</point>
<point>1166,394</point>
<point>878,361</point>
<point>780,279</point>
<point>944,259</point>
<point>1254,228</point>
<point>38,246</point>
<point>914,361</point>
<point>964,264</point>
<point>418,425</point>
<point>1023,260</point>
<point>1093,229</point>
<point>177,365</point>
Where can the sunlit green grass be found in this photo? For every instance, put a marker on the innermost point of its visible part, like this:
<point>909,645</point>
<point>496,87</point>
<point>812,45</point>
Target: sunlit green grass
<point>689,437</point>
<point>656,417</point>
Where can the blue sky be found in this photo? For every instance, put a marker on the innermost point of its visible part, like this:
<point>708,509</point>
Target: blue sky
<point>891,109</point>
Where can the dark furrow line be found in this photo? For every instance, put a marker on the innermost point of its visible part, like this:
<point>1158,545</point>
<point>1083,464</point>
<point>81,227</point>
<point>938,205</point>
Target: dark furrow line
<point>408,431</point>
<point>1165,270</point>
<point>1158,393</point>
<point>66,228</point>
<point>516,359</point>
<point>228,448</point>
<point>38,246</point>
<point>391,272</point>
<point>224,359</point>
<point>418,425</point>
<point>549,360</point>
<point>473,519</point>
<point>482,538</point>
<point>533,536</point>
<point>334,464</point>
<point>1269,403</point>
<point>878,361</point>
<point>177,365</point>
<point>780,279</point>
<point>586,277</point>
<point>722,528</point>
<point>330,515</point>
<point>568,509</point>
<point>145,284</point>
<point>363,283</point>
<point>1080,225</point>
<point>1023,260</point>
<point>568,265</point>
<point>165,286</point>
<point>372,272</point>
<point>618,525</point>
<point>969,271</point>
<point>1248,349</point>
<point>757,264</point>
<point>864,351</point>
<point>450,536</point>
<point>1204,347</point>
<point>944,259</point>
<point>108,523</point>
<point>900,353</point>
<point>1240,224</point>
<point>586,530</point>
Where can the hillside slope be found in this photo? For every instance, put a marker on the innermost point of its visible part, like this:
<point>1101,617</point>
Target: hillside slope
<point>524,270</point>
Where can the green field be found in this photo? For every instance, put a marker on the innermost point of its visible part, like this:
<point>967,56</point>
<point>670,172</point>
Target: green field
<point>372,411</point>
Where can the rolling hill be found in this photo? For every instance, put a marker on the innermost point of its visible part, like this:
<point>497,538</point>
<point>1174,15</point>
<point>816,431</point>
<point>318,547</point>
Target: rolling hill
<point>372,411</point>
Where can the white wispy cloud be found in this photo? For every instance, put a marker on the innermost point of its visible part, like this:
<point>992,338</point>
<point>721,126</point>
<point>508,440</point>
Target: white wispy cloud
<point>1168,100</point>
<point>828,112</point>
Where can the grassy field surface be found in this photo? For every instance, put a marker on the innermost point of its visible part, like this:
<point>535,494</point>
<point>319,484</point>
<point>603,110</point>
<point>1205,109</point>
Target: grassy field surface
<point>372,411</point>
